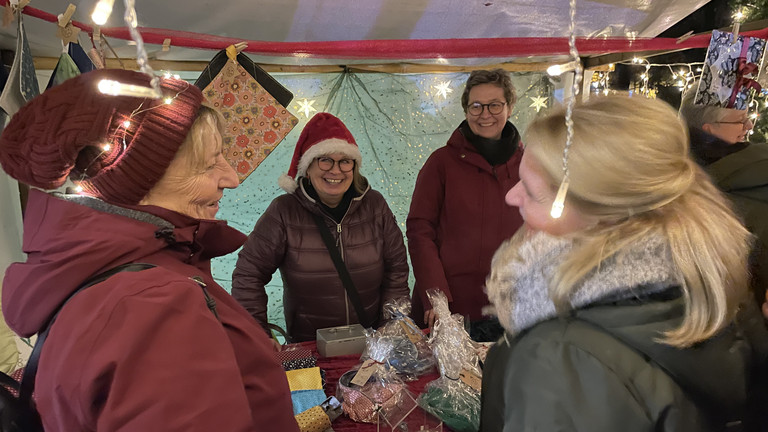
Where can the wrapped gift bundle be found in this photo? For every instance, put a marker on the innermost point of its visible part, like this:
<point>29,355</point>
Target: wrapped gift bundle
<point>730,70</point>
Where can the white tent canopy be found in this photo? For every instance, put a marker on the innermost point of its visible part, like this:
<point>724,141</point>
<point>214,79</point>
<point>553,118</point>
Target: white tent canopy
<point>357,20</point>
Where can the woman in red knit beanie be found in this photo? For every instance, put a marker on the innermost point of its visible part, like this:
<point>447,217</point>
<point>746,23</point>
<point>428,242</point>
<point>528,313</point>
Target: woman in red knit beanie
<point>141,350</point>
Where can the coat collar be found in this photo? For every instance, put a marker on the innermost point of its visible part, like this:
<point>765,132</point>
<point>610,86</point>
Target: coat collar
<point>519,283</point>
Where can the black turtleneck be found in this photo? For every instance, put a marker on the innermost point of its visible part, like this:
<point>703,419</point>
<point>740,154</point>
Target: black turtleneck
<point>338,212</point>
<point>496,152</point>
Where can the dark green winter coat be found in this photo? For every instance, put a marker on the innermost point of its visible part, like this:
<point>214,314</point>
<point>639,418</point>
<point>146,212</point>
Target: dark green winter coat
<point>741,171</point>
<point>587,372</point>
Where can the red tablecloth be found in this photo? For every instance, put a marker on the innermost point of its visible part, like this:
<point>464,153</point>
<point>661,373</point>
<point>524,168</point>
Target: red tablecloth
<point>335,367</point>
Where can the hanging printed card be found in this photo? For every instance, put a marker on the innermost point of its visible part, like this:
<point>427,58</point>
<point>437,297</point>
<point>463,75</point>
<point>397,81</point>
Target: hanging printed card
<point>255,121</point>
<point>730,67</point>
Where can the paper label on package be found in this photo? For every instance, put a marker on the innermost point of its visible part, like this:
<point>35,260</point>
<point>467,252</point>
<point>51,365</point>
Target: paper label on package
<point>471,379</point>
<point>364,373</point>
<point>411,330</point>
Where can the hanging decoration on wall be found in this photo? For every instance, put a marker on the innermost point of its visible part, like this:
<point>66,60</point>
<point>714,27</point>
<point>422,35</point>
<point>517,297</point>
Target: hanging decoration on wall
<point>256,121</point>
<point>22,81</point>
<point>538,103</point>
<point>305,107</point>
<point>730,69</point>
<point>443,89</point>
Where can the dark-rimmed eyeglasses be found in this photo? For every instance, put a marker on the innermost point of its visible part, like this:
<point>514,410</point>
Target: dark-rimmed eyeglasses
<point>744,122</point>
<point>326,164</point>
<point>494,108</point>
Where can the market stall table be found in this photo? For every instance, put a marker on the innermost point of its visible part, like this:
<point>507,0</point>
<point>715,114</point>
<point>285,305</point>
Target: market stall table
<point>335,367</point>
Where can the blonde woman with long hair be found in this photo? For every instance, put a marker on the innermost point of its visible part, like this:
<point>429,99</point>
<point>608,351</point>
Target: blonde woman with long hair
<point>621,314</point>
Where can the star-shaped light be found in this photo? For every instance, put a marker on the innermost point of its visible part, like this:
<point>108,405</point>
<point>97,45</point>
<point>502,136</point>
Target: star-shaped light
<point>306,107</point>
<point>443,89</point>
<point>538,103</point>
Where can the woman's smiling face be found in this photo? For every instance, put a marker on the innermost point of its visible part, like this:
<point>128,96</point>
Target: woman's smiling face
<point>330,185</point>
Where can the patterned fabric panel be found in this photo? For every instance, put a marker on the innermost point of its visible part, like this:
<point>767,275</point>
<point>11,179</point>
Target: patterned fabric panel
<point>255,121</point>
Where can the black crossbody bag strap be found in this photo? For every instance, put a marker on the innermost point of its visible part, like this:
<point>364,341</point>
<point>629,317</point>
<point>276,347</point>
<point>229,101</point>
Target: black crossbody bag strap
<point>346,279</point>
<point>27,386</point>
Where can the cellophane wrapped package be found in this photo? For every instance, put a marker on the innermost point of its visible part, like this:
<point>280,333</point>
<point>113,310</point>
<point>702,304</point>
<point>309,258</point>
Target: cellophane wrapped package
<point>455,396</point>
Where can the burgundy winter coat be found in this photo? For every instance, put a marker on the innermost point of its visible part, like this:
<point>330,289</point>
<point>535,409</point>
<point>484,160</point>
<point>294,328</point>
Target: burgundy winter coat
<point>457,220</point>
<point>286,237</point>
<point>140,351</point>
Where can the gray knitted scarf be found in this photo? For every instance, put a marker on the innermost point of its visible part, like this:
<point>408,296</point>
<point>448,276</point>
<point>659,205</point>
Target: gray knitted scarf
<point>518,286</point>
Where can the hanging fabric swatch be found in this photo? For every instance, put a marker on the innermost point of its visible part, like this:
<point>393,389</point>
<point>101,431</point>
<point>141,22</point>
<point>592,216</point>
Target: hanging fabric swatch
<point>22,80</point>
<point>256,121</point>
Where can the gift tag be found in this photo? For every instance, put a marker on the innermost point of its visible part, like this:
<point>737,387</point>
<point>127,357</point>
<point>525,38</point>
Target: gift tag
<point>364,373</point>
<point>411,330</point>
<point>471,379</point>
<point>68,33</point>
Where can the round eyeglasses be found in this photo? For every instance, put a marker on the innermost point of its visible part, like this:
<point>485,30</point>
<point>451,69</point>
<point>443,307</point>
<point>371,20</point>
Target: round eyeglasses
<point>326,164</point>
<point>494,108</point>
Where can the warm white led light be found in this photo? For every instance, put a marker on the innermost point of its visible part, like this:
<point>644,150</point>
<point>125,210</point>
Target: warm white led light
<point>115,88</point>
<point>106,147</point>
<point>168,101</point>
<point>127,124</point>
<point>102,11</point>
<point>559,204</point>
<point>559,69</point>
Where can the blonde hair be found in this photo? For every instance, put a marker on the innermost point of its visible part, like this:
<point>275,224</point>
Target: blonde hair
<point>195,145</point>
<point>630,172</point>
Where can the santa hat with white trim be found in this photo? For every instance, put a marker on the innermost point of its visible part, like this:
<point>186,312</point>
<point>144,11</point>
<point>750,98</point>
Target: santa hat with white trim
<point>324,134</point>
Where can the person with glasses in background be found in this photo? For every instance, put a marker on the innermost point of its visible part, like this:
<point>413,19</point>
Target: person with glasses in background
<point>458,218</point>
<point>720,144</point>
<point>324,179</point>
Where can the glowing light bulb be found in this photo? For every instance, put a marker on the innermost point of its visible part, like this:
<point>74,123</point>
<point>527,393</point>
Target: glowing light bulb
<point>559,69</point>
<point>167,75</point>
<point>79,189</point>
<point>127,124</point>
<point>102,11</point>
<point>115,88</point>
<point>106,147</point>
<point>559,204</point>
<point>168,101</point>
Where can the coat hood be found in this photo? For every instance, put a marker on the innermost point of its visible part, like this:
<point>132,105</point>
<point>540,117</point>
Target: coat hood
<point>69,239</point>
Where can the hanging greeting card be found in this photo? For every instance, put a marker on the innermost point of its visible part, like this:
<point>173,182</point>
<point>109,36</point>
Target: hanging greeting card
<point>255,121</point>
<point>729,71</point>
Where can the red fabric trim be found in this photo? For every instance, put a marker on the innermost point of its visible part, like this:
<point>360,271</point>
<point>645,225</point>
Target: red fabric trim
<point>404,48</point>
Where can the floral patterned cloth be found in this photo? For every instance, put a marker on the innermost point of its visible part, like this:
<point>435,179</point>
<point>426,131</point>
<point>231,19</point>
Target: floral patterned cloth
<point>255,121</point>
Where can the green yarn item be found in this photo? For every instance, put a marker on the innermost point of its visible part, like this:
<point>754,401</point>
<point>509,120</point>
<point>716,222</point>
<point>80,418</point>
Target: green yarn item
<point>457,406</point>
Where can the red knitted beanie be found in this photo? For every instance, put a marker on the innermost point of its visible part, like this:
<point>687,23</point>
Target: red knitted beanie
<point>115,147</point>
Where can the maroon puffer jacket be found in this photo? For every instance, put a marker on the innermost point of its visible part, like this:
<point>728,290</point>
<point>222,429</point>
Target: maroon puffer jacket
<point>285,237</point>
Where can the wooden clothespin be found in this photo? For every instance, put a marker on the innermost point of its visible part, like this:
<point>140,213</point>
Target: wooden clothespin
<point>735,31</point>
<point>234,50</point>
<point>166,45</point>
<point>65,30</point>
<point>96,34</point>
<point>9,12</point>
<point>66,17</point>
<point>684,37</point>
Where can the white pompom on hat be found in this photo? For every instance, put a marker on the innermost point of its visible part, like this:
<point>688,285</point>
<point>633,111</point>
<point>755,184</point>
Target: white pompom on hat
<point>324,134</point>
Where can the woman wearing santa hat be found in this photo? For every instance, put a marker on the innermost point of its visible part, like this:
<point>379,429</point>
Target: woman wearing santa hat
<point>325,192</point>
<point>160,349</point>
